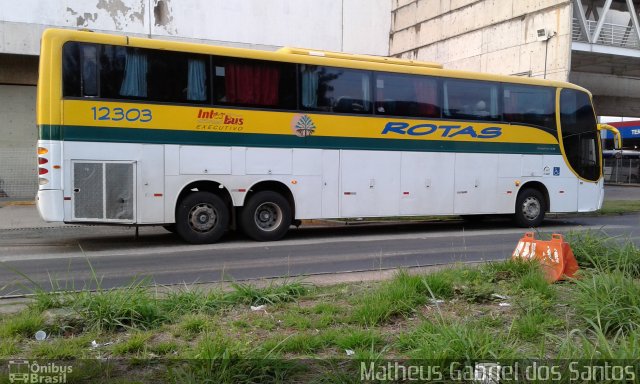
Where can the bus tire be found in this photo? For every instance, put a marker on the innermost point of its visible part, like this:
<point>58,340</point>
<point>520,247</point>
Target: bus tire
<point>266,216</point>
<point>530,208</point>
<point>201,218</point>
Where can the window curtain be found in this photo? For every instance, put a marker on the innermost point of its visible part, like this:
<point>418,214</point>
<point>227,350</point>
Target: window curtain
<point>494,102</point>
<point>89,70</point>
<point>197,81</point>
<point>309,79</point>
<point>366,93</point>
<point>252,84</point>
<point>135,75</point>
<point>427,97</point>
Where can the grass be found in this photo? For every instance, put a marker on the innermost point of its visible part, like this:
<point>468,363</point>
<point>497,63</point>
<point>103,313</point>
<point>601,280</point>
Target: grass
<point>443,340</point>
<point>596,250</point>
<point>397,297</point>
<point>134,344</point>
<point>497,310</point>
<point>609,302</point>
<point>610,207</point>
<point>24,324</point>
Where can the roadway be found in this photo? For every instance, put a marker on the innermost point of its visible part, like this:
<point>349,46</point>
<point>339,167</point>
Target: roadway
<point>66,255</point>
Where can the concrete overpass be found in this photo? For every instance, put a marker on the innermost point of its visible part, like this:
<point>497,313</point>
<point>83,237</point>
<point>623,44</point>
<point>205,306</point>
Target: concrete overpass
<point>605,54</point>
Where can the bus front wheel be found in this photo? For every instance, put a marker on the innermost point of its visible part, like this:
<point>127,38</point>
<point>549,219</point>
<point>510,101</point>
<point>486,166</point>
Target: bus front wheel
<point>201,218</point>
<point>266,216</point>
<point>530,208</point>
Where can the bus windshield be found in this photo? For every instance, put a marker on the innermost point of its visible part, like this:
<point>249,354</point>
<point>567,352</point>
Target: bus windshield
<point>580,133</point>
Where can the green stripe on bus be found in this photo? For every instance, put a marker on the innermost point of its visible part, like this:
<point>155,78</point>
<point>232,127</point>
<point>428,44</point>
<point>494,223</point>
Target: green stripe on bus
<point>160,136</point>
<point>50,132</point>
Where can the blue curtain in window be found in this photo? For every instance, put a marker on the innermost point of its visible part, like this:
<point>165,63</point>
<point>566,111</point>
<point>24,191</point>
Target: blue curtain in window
<point>135,75</point>
<point>197,82</point>
<point>309,87</point>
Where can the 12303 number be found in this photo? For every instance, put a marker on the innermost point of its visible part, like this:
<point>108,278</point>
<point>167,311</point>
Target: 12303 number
<point>118,114</point>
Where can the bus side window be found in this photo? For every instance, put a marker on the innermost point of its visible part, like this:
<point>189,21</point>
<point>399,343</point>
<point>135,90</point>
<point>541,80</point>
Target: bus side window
<point>471,100</point>
<point>406,95</point>
<point>335,89</point>
<point>254,83</point>
<point>531,105</point>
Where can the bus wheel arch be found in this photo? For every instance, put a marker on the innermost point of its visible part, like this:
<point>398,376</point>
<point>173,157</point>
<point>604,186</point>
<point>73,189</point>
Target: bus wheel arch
<point>268,211</point>
<point>532,202</point>
<point>203,212</point>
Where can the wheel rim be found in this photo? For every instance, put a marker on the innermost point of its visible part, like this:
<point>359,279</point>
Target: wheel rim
<point>531,208</point>
<point>268,216</point>
<point>203,217</point>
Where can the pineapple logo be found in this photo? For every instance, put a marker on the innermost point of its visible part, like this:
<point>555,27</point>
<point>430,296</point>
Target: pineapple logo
<point>302,125</point>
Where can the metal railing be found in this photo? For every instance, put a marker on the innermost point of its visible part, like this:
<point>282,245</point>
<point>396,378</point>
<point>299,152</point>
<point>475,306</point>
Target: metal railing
<point>616,35</point>
<point>622,171</point>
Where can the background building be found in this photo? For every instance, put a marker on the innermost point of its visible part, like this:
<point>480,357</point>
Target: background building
<point>593,43</point>
<point>357,26</point>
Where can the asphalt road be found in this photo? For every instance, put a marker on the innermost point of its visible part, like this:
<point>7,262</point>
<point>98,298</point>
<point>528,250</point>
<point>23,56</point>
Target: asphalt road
<point>64,257</point>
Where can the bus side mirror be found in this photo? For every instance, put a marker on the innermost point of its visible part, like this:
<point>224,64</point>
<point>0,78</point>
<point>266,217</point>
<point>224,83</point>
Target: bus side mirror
<point>617,141</point>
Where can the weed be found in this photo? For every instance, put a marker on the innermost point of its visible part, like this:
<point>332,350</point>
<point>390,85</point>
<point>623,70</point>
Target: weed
<point>609,301</point>
<point>62,348</point>
<point>535,281</point>
<point>187,300</point>
<point>133,306</point>
<point>397,297</point>
<point>273,293</point>
<point>195,324</point>
<point>326,308</point>
<point>24,324</point>
<point>597,250</point>
<point>357,339</point>
<point>297,321</point>
<point>136,343</point>
<point>530,325</point>
<point>9,346</point>
<point>164,348</point>
<point>305,343</point>
<point>439,284</point>
<point>443,340</point>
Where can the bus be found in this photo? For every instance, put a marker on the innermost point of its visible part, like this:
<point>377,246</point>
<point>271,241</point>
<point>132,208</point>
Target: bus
<point>205,139</point>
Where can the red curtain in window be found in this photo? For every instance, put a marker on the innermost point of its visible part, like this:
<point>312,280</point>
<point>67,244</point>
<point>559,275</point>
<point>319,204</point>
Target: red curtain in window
<point>252,84</point>
<point>427,96</point>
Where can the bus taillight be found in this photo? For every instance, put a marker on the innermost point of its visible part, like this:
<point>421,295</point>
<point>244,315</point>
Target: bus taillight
<point>42,181</point>
<point>42,171</point>
<point>42,160</point>
<point>42,151</point>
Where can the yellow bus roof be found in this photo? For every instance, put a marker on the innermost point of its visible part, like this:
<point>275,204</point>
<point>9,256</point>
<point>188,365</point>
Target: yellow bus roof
<point>53,37</point>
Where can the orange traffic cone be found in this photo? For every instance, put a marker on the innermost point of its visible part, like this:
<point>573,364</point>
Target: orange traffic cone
<point>555,255</point>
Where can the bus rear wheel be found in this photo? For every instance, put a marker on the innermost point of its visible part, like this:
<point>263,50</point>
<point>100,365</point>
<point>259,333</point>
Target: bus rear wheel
<point>201,218</point>
<point>266,216</point>
<point>530,208</point>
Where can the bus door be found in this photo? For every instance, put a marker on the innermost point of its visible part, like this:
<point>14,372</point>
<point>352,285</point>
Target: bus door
<point>151,185</point>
